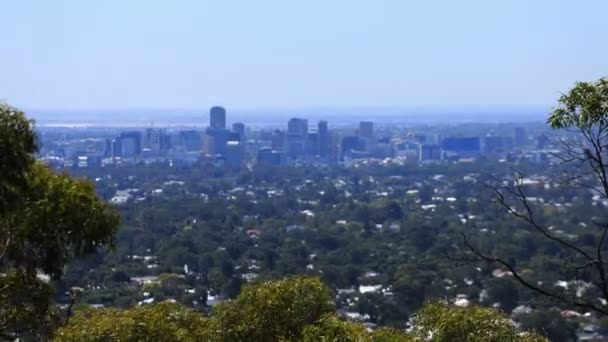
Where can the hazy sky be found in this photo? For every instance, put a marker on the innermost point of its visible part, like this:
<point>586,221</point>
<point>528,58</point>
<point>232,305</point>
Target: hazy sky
<point>258,53</point>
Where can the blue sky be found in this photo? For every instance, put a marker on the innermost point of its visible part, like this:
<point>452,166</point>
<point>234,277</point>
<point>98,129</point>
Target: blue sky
<point>296,54</point>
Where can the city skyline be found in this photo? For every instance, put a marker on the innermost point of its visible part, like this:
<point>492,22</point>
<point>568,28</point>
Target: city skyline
<point>298,141</point>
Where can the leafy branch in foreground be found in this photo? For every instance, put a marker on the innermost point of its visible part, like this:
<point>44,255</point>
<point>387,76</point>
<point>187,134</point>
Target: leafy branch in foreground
<point>46,220</point>
<point>583,112</point>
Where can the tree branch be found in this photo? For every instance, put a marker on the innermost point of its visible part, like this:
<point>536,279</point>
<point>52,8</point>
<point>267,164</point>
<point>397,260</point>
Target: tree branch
<point>525,283</point>
<point>529,217</point>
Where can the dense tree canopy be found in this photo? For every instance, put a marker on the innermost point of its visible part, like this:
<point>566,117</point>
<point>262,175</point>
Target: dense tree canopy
<point>158,322</point>
<point>291,309</point>
<point>46,220</point>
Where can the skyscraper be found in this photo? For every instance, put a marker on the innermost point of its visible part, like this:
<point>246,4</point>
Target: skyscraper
<point>216,135</point>
<point>267,156</point>
<point>297,137</point>
<point>217,117</point>
<point>215,140</point>
<point>297,126</point>
<point>131,143</point>
<point>190,141</point>
<point>312,144</point>
<point>234,154</point>
<point>323,138</point>
<point>366,133</point>
<point>430,152</point>
<point>520,137</point>
<point>107,151</point>
<point>278,140</point>
<point>157,140</point>
<point>351,143</point>
<point>493,144</point>
<point>239,128</point>
<point>116,148</point>
<point>463,146</point>
<point>366,129</point>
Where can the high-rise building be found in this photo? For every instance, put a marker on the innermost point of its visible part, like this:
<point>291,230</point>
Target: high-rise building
<point>234,154</point>
<point>107,151</point>
<point>352,143</point>
<point>157,140</point>
<point>520,138</point>
<point>297,137</point>
<point>295,146</point>
<point>463,146</point>
<point>190,141</point>
<point>277,139</point>
<point>430,152</point>
<point>216,135</point>
<point>497,144</point>
<point>217,117</point>
<point>131,143</point>
<point>297,126</point>
<point>493,144</point>
<point>116,148</point>
<point>366,129</point>
<point>239,128</point>
<point>215,141</point>
<point>312,144</point>
<point>323,138</point>
<point>267,156</point>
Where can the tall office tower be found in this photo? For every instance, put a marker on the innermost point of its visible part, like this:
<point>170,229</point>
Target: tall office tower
<point>323,139</point>
<point>493,144</point>
<point>430,152</point>
<point>216,135</point>
<point>235,149</point>
<point>157,140</point>
<point>239,127</point>
<point>278,140</point>
<point>297,126</point>
<point>334,147</point>
<point>190,141</point>
<point>463,146</point>
<point>312,144</point>
<point>107,151</point>
<point>351,143</point>
<point>117,148</point>
<point>234,154</point>
<point>208,145</point>
<point>216,140</point>
<point>297,136</point>
<point>366,129</point>
<point>267,156</point>
<point>519,136</point>
<point>217,117</point>
<point>131,143</point>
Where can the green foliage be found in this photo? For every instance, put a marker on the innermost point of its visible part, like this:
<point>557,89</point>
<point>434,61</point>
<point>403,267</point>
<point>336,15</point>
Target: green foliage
<point>17,146</point>
<point>332,328</point>
<point>272,311</point>
<point>61,218</point>
<point>585,105</point>
<point>292,309</point>
<point>459,324</point>
<point>158,322</point>
<point>46,220</point>
<point>25,307</point>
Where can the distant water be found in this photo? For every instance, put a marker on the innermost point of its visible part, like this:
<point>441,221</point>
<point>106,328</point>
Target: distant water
<point>278,117</point>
